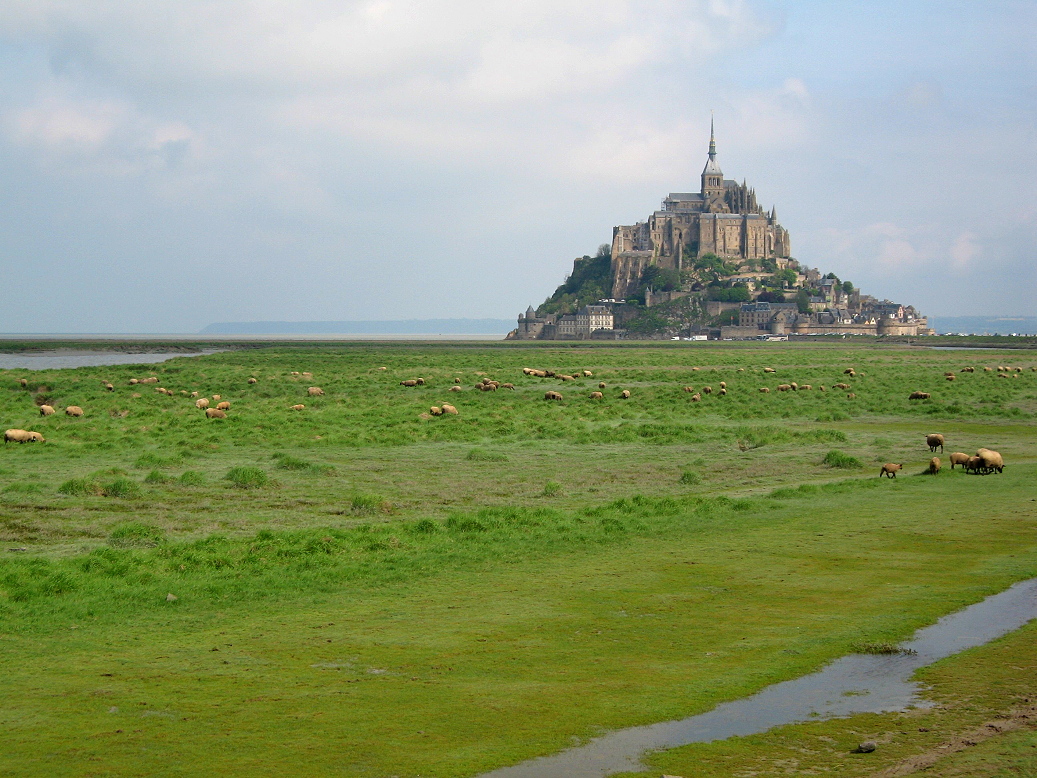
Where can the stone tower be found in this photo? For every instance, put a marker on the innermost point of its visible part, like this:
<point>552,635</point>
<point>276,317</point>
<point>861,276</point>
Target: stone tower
<point>712,176</point>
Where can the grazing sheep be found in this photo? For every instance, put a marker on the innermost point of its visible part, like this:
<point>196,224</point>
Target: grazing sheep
<point>193,395</point>
<point>769,370</point>
<point>552,395</point>
<point>889,470</point>
<point>215,413</point>
<point>601,385</point>
<point>968,370</point>
<point>723,384</point>
<point>805,387</point>
<point>298,407</point>
<point>486,387</point>
<point>974,465</point>
<point>588,374</point>
<point>435,410</point>
<point>934,441</point>
<point>315,391</point>
<point>851,396</point>
<point>722,392</point>
<point>959,458</point>
<point>306,374</point>
<point>821,388</point>
<point>992,460</point>
<point>133,382</point>
<point>741,370</point>
<point>454,389</point>
<point>383,368</point>
<point>783,387</point>
<point>919,396</point>
<point>109,387</point>
<point>764,390</point>
<point>689,389</point>
<point>295,372</point>
<point>934,466</point>
<point>46,410</point>
<point>253,380</point>
<point>950,377</point>
<point>201,403</point>
<point>216,398</point>
<point>707,390</point>
<point>597,396</point>
<point>849,371</point>
<point>409,382</point>
<point>457,380</point>
<point>223,406</point>
<point>449,409</point>
<point>23,382</point>
<point>625,394</point>
<point>149,380</point>
<point>795,386</point>
<point>23,436</point>
<point>988,370</point>
<point>73,410</point>
<point>696,397</point>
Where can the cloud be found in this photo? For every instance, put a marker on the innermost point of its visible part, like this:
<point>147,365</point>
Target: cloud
<point>964,249</point>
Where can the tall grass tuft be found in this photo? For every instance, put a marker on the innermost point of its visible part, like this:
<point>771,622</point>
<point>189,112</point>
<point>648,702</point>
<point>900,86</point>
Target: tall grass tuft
<point>247,477</point>
<point>121,487</point>
<point>836,458</point>
<point>482,455</point>
<point>135,534</point>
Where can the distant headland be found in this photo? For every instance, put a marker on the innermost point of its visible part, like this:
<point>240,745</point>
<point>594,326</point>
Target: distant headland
<point>711,263</point>
<point>373,327</point>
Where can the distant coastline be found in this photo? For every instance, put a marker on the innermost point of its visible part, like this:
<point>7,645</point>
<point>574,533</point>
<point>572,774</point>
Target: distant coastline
<point>498,327</point>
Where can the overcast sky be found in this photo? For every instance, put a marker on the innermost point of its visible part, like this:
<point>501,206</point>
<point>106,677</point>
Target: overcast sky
<point>164,165</point>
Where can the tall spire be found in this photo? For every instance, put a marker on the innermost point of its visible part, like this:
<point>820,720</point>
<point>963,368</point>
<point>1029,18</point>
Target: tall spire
<point>712,141</point>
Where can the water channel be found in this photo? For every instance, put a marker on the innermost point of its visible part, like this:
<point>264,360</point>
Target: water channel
<point>70,358</point>
<point>858,683</point>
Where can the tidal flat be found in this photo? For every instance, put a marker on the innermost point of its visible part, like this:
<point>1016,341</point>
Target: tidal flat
<point>361,587</point>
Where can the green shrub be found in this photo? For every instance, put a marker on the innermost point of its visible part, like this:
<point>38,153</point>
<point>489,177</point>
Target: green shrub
<point>191,478</point>
<point>689,478</point>
<point>79,487</point>
<point>425,527</point>
<point>838,459</point>
<point>247,477</point>
<point>121,487</point>
<point>135,534</point>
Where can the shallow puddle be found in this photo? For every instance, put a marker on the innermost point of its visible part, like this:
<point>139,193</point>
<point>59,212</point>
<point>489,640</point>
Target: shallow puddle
<point>858,683</point>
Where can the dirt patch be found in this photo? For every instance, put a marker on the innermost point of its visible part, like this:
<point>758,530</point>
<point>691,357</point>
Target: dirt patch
<point>1017,718</point>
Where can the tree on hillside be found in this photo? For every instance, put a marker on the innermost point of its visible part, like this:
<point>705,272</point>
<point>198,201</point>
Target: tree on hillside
<point>803,300</point>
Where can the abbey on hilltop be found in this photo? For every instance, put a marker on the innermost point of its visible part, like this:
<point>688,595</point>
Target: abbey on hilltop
<point>711,263</point>
<point>722,218</point>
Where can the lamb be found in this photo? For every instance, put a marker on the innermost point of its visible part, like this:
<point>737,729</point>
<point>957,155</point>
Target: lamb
<point>625,394</point>
<point>435,410</point>
<point>454,389</point>
<point>992,460</point>
<point>988,370</point>
<point>597,396</point>
<point>298,407</point>
<point>216,398</point>
<point>933,441</point>
<point>934,466</point>
<point>552,395</point>
<point>215,413</point>
<point>23,436</point>
<point>46,410</point>
<point>201,403</point>
<point>74,410</point>
<point>253,380</point>
<point>149,380</point>
<point>689,389</point>
<point>223,406</point>
<point>315,391</point>
<point>959,458</point>
<point>449,409</point>
<point>890,470</point>
<point>764,390</point>
<point>919,396</point>
<point>588,374</point>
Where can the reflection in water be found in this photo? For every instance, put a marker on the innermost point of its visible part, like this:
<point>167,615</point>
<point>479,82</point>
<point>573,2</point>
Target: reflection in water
<point>53,361</point>
<point>853,684</point>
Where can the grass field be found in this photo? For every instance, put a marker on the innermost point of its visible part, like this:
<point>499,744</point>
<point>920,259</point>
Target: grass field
<point>362,588</point>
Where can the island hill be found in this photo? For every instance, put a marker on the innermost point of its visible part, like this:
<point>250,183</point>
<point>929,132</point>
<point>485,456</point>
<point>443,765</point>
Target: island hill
<point>714,263</point>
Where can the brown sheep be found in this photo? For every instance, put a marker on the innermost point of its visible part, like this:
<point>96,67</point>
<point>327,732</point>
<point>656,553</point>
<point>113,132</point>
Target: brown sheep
<point>435,410</point>
<point>223,406</point>
<point>958,458</point>
<point>696,397</point>
<point>315,391</point>
<point>409,382</point>
<point>23,382</point>
<point>821,388</point>
<point>689,389</point>
<point>295,372</point>
<point>486,387</point>
<point>849,371</point>
<point>769,370</point>
<point>133,382</point>
<point>601,385</point>
<point>764,390</point>
<point>723,384</point>
<point>805,387</point>
<point>950,377</point>
<point>109,387</point>
<point>722,392</point>
<point>968,370</point>
<point>253,380</point>
<point>23,436</point>
<point>851,396</point>
<point>588,374</point>
<point>934,441</point>
<point>306,374</point>
<point>783,387</point>
<point>193,395</point>
<point>383,368</point>
<point>988,370</point>
<point>992,460</point>
<point>707,390</point>
<point>597,396</point>
<point>46,410</point>
<point>552,395</point>
<point>889,470</point>
<point>149,380</point>
<point>934,466</point>
<point>216,398</point>
<point>215,413</point>
<point>454,389</point>
<point>298,407</point>
<point>974,465</point>
<point>457,380</point>
<point>919,396</point>
<point>449,409</point>
<point>625,394</point>
<point>74,410</point>
<point>795,386</point>
<point>201,403</point>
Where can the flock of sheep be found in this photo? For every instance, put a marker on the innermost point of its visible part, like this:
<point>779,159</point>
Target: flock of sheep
<point>984,462</point>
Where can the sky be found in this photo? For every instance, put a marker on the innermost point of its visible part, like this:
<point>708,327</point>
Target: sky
<point>167,165</point>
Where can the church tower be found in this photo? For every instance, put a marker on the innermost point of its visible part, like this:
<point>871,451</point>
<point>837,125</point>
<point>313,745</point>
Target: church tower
<point>712,176</point>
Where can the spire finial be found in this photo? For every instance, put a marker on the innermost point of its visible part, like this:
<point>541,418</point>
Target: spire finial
<point>712,141</point>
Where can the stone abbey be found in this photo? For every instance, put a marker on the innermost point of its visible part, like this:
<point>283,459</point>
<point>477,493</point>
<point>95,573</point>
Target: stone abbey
<point>722,218</point>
